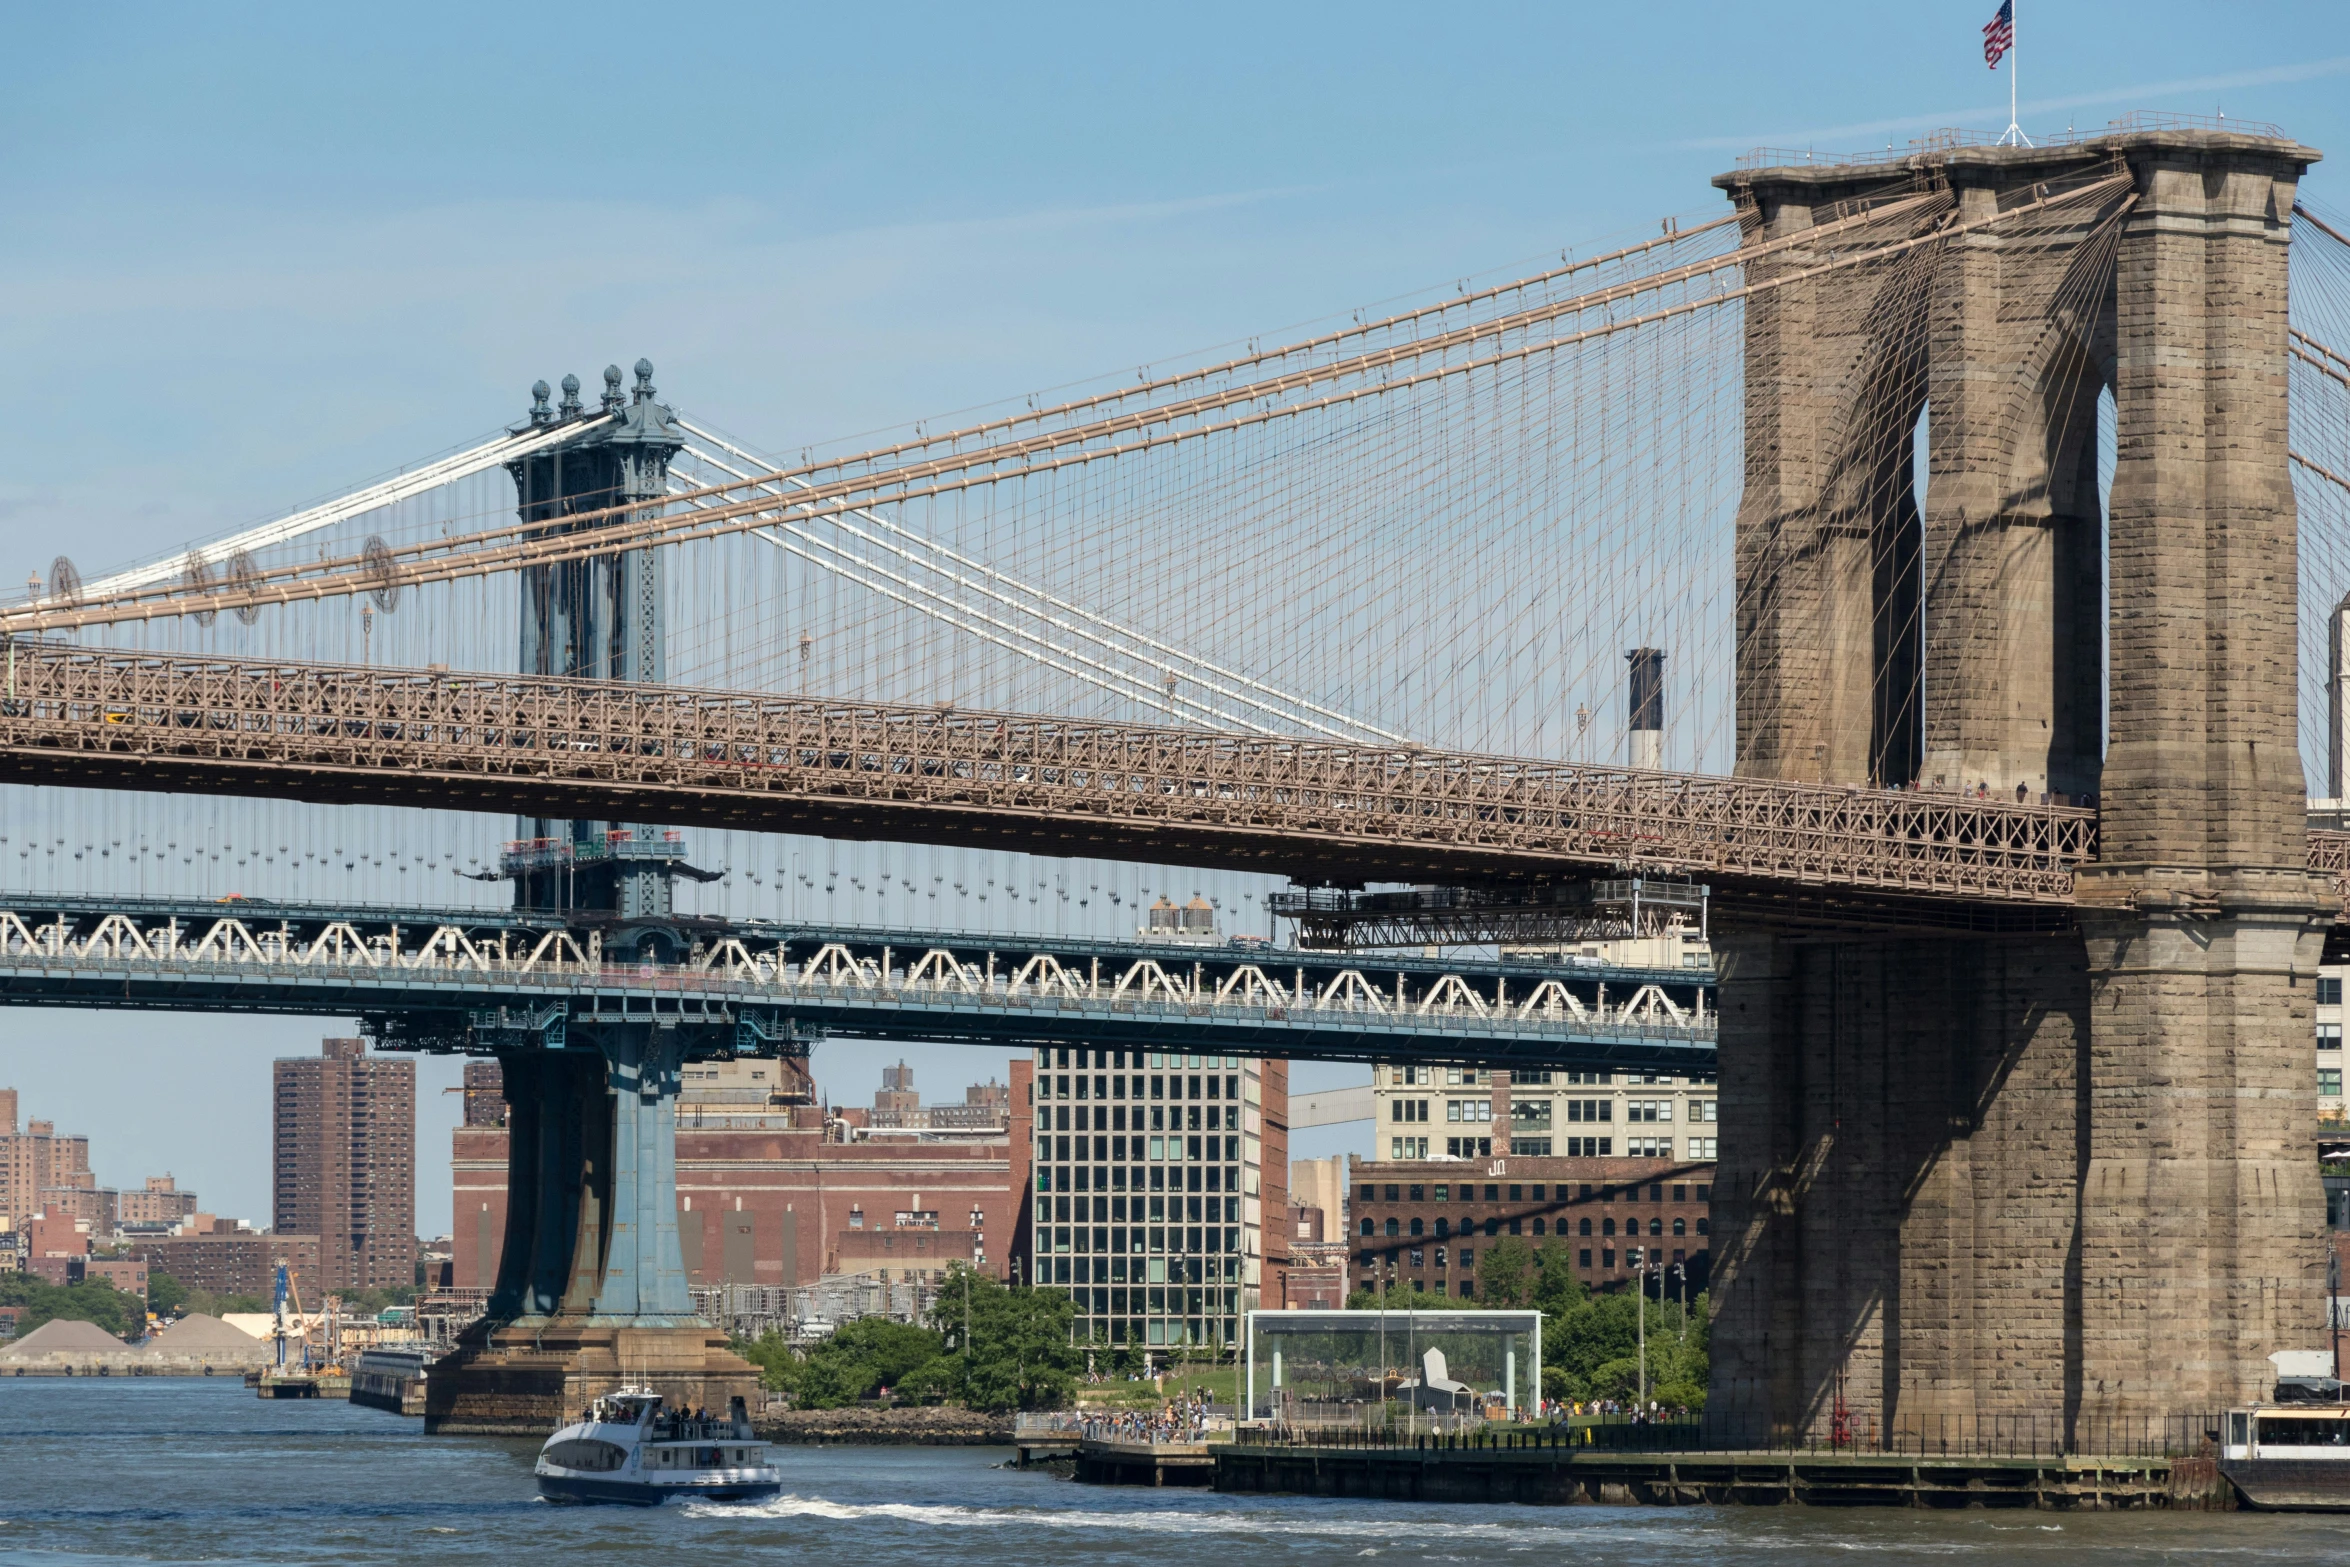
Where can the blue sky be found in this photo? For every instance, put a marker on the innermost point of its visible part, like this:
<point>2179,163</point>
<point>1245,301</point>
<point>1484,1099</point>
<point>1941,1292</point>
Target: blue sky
<point>255,254</point>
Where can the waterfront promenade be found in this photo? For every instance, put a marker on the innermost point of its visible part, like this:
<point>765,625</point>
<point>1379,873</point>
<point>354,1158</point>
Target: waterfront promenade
<point>1562,1474</point>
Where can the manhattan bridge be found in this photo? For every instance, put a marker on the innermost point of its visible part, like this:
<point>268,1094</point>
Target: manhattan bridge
<point>1986,511</point>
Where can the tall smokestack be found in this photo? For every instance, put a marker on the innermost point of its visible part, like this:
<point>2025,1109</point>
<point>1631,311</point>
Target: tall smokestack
<point>1646,730</point>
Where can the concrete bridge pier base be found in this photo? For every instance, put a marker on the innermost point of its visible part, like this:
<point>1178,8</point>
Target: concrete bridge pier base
<point>591,1291</point>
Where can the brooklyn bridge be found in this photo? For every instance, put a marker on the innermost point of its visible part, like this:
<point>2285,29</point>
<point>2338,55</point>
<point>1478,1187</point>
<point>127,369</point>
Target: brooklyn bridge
<point>1975,518</point>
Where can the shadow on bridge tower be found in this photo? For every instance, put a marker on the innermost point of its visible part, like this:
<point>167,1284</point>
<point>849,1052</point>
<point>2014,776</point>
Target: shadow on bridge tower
<point>2066,1171</point>
<point>591,1289</point>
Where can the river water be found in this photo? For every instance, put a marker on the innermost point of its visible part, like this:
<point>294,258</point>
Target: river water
<point>172,1470</point>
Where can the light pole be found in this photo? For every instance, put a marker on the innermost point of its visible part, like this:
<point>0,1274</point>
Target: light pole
<point>1639,1260</point>
<point>1383,1272</point>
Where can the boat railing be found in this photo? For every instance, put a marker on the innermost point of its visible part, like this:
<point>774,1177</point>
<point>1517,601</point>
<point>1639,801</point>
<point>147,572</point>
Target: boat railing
<point>701,1428</point>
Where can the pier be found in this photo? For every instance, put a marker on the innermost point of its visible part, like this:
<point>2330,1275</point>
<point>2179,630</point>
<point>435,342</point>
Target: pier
<point>1109,1461</point>
<point>1558,1476</point>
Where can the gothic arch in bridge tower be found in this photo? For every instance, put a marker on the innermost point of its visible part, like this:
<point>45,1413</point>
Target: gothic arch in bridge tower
<point>1954,644</point>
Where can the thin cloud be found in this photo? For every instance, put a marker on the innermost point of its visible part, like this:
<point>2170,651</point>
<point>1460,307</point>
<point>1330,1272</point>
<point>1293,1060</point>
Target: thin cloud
<point>2306,70</point>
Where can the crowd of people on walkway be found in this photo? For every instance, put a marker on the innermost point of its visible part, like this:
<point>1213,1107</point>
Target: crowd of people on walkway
<point>1179,1420</point>
<point>1613,1409</point>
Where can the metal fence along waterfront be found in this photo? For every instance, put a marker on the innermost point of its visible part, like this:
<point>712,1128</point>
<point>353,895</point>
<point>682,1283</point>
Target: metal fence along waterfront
<point>1928,1436</point>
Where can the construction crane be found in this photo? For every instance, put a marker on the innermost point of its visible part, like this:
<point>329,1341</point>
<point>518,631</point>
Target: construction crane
<point>289,1291</point>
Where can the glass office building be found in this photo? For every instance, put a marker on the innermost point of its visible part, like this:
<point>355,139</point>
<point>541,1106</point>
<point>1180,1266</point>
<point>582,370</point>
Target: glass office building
<point>1154,1183</point>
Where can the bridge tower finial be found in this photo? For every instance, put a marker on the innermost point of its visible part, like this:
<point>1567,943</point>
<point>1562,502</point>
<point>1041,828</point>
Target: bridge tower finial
<point>603,621</point>
<point>540,413</point>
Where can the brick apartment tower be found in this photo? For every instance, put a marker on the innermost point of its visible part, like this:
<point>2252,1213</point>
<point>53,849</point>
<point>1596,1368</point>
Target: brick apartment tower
<point>346,1163</point>
<point>36,1161</point>
<point>897,1091</point>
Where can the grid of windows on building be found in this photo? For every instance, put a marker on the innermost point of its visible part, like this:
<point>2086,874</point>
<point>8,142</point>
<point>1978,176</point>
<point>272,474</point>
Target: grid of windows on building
<point>2329,1044</point>
<point>1148,1188</point>
<point>1475,1112</point>
<point>1421,1225</point>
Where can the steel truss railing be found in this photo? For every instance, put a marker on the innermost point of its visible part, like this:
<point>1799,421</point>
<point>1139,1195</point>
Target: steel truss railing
<point>2329,853</point>
<point>122,719</point>
<point>309,963</point>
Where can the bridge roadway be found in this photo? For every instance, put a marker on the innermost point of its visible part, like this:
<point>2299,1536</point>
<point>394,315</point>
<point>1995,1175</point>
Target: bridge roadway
<point>1319,811</point>
<point>470,979</point>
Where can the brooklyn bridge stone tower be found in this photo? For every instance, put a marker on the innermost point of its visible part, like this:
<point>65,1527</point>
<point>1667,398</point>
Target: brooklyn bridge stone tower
<point>2065,1170</point>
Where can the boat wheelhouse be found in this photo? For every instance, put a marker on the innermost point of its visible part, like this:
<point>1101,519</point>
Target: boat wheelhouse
<point>2289,1457</point>
<point>630,1447</point>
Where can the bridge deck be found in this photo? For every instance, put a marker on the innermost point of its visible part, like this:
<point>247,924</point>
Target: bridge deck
<point>1311,808</point>
<point>450,978</point>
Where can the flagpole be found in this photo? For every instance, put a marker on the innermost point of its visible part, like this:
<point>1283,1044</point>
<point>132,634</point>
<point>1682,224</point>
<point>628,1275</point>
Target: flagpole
<point>2015,132</point>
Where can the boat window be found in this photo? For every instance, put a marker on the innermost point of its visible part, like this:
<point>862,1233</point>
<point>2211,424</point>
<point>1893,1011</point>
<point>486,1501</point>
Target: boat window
<point>2237,1425</point>
<point>583,1453</point>
<point>2301,1431</point>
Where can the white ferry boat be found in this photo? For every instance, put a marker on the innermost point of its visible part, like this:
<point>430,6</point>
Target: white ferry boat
<point>2289,1457</point>
<point>629,1448</point>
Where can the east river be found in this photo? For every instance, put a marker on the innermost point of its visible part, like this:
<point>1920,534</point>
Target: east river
<point>201,1471</point>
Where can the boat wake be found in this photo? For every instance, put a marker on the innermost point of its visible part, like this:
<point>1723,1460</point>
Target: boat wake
<point>1372,1533</point>
<point>1238,1520</point>
<point>953,1517</point>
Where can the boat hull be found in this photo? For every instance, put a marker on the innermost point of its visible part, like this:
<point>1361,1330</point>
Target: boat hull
<point>604,1490</point>
<point>2297,1485</point>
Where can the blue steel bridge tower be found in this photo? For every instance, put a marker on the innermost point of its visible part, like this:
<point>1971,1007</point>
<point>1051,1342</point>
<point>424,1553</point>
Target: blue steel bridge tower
<point>591,1289</point>
<point>596,619</point>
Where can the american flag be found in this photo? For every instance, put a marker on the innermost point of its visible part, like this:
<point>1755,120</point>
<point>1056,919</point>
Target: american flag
<point>1999,34</point>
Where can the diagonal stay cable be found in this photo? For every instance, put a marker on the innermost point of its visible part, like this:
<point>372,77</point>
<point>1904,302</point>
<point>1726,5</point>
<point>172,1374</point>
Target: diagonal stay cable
<point>1270,697</point>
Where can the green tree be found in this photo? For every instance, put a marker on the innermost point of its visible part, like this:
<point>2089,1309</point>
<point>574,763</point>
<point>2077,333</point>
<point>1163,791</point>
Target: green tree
<point>780,1365</point>
<point>1591,1349</point>
<point>1555,1287</point>
<point>937,1381</point>
<point>1008,1346</point>
<point>92,1300</point>
<point>1506,1274</point>
<point>1599,1329</point>
<point>164,1294</point>
<point>861,1359</point>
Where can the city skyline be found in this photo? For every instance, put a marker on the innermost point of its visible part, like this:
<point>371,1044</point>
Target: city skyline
<point>237,1179</point>
<point>204,227</point>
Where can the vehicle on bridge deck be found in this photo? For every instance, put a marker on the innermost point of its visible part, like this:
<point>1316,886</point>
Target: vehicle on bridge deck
<point>2289,1457</point>
<point>628,1448</point>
